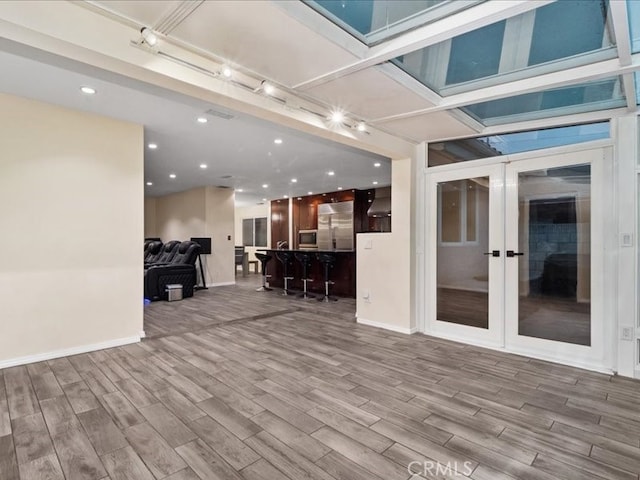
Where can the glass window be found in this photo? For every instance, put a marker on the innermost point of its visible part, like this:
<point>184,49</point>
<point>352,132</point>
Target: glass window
<point>453,151</point>
<point>372,21</point>
<point>458,212</point>
<point>587,97</point>
<point>633,9</point>
<point>554,38</point>
<point>254,232</point>
<point>562,34</point>
<point>475,54</point>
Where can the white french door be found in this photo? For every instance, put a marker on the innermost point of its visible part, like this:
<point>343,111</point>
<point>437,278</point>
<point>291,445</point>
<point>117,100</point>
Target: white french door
<point>467,235</point>
<point>517,256</point>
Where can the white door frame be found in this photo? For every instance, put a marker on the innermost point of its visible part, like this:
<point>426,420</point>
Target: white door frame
<point>593,356</point>
<point>603,278</point>
<point>494,335</point>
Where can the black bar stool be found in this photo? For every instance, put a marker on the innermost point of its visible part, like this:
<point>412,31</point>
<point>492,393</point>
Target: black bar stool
<point>305,260</point>
<point>286,258</point>
<point>327,260</point>
<point>264,259</point>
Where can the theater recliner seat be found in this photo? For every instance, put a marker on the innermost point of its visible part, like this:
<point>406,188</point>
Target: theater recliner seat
<point>152,251</point>
<point>181,270</point>
<point>167,253</point>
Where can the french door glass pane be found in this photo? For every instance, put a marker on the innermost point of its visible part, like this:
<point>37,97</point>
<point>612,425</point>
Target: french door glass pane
<point>462,267</point>
<point>554,232</point>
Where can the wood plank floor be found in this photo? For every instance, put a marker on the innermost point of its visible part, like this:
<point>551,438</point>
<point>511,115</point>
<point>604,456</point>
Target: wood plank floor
<point>307,394</point>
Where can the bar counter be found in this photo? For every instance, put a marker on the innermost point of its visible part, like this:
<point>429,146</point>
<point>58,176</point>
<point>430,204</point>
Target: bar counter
<point>343,272</point>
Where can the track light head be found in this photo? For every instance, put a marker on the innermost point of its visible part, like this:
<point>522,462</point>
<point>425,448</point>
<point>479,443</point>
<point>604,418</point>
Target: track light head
<point>148,36</point>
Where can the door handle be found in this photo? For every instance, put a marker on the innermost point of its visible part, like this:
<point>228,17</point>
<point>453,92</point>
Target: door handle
<point>493,253</point>
<point>511,253</point>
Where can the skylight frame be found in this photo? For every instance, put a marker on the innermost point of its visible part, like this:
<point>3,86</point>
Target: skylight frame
<point>443,56</point>
<point>399,27</point>
<point>561,111</point>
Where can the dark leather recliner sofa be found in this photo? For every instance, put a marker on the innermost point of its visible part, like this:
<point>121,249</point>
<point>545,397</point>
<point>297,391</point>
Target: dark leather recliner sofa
<point>180,269</point>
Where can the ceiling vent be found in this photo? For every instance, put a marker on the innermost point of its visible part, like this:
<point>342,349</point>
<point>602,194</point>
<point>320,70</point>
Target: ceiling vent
<point>225,114</point>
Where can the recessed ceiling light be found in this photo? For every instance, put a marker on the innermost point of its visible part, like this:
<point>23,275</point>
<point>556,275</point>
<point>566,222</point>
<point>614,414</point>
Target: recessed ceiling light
<point>331,173</point>
<point>377,164</point>
<point>202,120</point>
<point>286,196</point>
<point>149,184</point>
<point>173,175</point>
<point>226,71</point>
<point>264,185</point>
<point>264,199</point>
<point>309,193</point>
<point>361,127</point>
<point>239,190</point>
<point>339,188</point>
<point>278,141</point>
<point>294,180</point>
<point>337,116</point>
<point>153,146</point>
<point>88,90</point>
<point>375,183</point>
<point>203,165</point>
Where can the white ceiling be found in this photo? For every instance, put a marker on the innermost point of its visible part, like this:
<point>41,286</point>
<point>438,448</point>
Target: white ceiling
<point>239,153</point>
<point>315,65</point>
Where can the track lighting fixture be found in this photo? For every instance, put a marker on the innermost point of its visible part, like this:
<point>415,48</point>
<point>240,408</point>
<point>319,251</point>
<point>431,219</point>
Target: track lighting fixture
<point>148,36</point>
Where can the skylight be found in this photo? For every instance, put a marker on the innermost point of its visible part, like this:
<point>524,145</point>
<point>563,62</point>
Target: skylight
<point>556,36</point>
<point>586,97</point>
<point>464,150</point>
<point>633,9</point>
<point>372,21</point>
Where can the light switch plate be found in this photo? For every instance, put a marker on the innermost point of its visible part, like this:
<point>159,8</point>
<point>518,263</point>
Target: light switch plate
<point>626,333</point>
<point>368,244</point>
<point>626,239</point>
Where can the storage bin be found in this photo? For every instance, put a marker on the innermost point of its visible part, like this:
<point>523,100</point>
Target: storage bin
<point>174,292</point>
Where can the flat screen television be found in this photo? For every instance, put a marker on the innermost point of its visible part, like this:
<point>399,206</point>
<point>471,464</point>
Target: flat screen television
<point>205,243</point>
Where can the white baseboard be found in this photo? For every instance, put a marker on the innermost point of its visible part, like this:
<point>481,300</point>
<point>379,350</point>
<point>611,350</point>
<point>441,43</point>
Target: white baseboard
<point>221,284</point>
<point>39,357</point>
<point>386,326</point>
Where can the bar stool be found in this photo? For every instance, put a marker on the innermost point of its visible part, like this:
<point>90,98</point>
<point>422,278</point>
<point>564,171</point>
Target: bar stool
<point>305,260</point>
<point>286,258</point>
<point>328,260</point>
<point>264,259</point>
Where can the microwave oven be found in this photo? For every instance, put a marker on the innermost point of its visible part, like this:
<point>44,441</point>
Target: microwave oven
<point>308,239</point>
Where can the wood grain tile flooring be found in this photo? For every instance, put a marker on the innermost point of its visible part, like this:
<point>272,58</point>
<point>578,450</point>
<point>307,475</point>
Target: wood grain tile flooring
<point>252,386</point>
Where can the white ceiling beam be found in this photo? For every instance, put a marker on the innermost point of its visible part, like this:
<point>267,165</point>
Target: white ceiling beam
<point>629,86</point>
<point>603,69</point>
<point>620,21</point>
<point>479,16</point>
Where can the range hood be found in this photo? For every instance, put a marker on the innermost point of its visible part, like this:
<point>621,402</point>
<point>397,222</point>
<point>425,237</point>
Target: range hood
<point>381,205</point>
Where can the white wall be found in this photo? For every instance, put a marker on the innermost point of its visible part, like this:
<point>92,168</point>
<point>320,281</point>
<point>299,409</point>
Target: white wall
<point>71,210</point>
<point>252,211</point>
<point>199,212</point>
<point>384,270</point>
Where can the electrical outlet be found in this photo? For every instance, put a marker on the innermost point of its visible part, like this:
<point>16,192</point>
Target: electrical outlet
<point>368,244</point>
<point>626,333</point>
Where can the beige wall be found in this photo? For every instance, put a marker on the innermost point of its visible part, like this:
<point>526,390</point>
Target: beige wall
<point>199,212</point>
<point>181,216</point>
<point>384,270</point>
<point>71,189</point>
<point>150,229</point>
<point>219,226</point>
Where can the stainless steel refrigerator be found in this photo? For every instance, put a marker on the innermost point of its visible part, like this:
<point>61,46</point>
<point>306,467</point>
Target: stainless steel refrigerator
<point>335,226</point>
